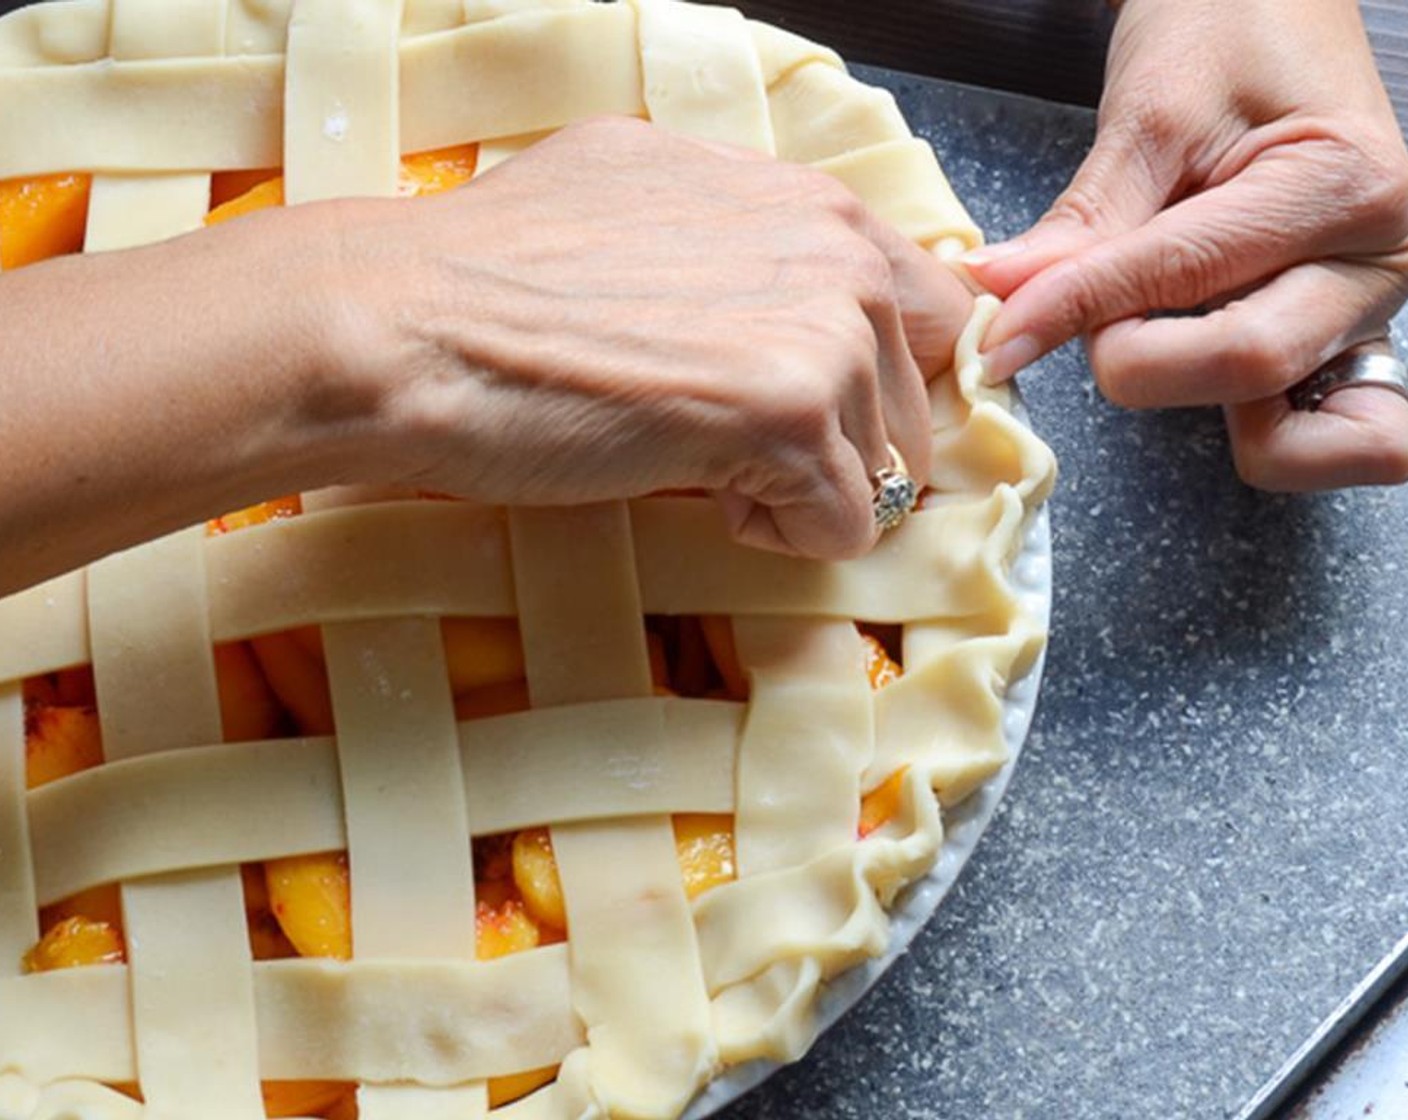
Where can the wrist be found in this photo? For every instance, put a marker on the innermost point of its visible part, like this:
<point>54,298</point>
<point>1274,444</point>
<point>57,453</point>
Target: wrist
<point>262,337</point>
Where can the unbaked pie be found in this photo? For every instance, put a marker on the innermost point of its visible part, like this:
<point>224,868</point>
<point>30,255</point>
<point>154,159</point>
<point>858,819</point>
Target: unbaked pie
<point>565,722</point>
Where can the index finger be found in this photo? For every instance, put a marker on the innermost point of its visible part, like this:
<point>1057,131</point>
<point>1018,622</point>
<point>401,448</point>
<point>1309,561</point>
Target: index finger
<point>934,304</point>
<point>1278,213</point>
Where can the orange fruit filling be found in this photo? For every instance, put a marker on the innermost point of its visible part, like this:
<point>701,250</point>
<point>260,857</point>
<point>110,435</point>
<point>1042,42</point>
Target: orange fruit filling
<point>42,218</point>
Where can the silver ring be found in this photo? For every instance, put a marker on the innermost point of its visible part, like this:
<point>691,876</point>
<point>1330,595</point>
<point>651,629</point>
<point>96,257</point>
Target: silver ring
<point>896,492</point>
<point>1370,364</point>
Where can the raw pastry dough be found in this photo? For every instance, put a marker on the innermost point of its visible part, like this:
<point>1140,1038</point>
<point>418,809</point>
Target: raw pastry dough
<point>653,994</point>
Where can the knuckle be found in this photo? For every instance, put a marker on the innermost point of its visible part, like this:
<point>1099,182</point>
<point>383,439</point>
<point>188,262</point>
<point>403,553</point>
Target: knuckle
<point>1152,122</point>
<point>797,409</point>
<point>1082,204</point>
<point>819,361</point>
<point>1082,295</point>
<point>1260,358</point>
<point>1380,201</point>
<point>870,276</point>
<point>839,200</point>
<point>1363,169</point>
<point>1189,270</point>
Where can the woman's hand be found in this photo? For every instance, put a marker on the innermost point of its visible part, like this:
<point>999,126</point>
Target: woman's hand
<point>613,312</point>
<point>620,310</point>
<point>1247,168</point>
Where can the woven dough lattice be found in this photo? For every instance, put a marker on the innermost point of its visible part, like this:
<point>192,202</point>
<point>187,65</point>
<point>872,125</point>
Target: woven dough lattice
<point>651,995</point>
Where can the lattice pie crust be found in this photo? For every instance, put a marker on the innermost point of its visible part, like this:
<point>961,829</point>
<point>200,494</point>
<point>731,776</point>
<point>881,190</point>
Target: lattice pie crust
<point>652,995</point>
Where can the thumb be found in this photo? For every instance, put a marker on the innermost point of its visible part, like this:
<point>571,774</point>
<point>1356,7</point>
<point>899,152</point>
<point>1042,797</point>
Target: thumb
<point>1120,185</point>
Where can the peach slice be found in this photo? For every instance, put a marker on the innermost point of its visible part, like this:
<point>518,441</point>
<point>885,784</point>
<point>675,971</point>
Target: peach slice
<point>249,710</point>
<point>503,1090</point>
<point>718,634</point>
<point>66,688</point>
<point>302,1098</point>
<point>76,943</point>
<point>502,929</point>
<point>424,173</point>
<point>299,680</point>
<point>275,509</point>
<point>443,169</point>
<point>492,700</point>
<point>344,1109</point>
<point>659,664</point>
<point>97,904</point>
<point>228,185</point>
<point>704,848</point>
<point>311,897</point>
<point>882,804</point>
<point>264,196</point>
<point>535,873</point>
<point>480,652</point>
<point>59,742</point>
<point>42,217</point>
<point>879,666</point>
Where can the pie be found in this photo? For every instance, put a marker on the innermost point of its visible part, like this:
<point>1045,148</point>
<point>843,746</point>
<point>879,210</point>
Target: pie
<point>131,106</point>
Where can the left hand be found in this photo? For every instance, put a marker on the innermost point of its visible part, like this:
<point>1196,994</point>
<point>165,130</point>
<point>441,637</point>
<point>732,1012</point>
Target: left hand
<point>1247,167</point>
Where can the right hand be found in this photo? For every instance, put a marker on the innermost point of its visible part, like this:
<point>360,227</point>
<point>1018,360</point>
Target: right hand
<point>620,310</point>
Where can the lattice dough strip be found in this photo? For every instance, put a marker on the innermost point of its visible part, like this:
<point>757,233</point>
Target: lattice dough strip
<point>636,979</point>
<point>73,31</point>
<point>452,561</point>
<point>408,840</point>
<point>809,734</point>
<point>403,791</point>
<point>45,628</point>
<point>341,99</point>
<point>436,1022</point>
<point>947,718</point>
<point>819,112</point>
<point>208,806</point>
<point>904,185</point>
<point>155,678</point>
<point>499,78</point>
<point>701,74</point>
<point>127,211</point>
<point>600,760</point>
<point>19,909</point>
<point>939,564</point>
<point>119,103</point>
<point>637,983</point>
<point>197,807</point>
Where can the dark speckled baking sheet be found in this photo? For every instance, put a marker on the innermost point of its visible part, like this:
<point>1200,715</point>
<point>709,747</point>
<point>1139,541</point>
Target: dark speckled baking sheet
<point>1203,847</point>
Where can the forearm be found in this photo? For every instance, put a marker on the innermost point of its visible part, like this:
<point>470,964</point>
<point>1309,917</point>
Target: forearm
<point>147,390</point>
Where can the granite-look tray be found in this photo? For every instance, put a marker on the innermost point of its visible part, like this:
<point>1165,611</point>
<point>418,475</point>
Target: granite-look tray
<point>1201,851</point>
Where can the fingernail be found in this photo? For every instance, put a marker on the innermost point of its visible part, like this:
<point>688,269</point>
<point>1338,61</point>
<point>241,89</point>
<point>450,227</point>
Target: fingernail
<point>1005,359</point>
<point>990,254</point>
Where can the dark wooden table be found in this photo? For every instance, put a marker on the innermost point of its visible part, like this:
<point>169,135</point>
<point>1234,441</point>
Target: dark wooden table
<point>1047,48</point>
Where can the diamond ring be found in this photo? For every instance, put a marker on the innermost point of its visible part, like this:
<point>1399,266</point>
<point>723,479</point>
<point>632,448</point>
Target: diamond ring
<point>896,493</point>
